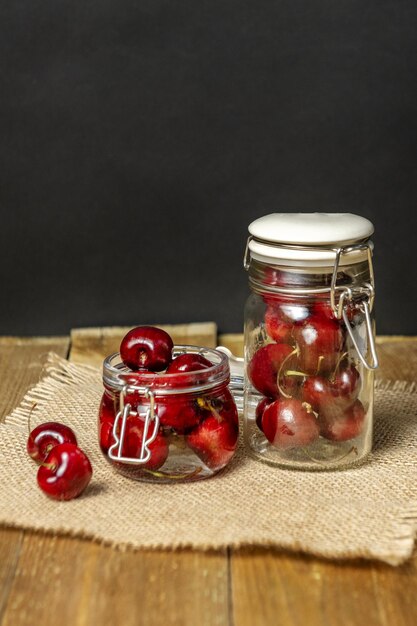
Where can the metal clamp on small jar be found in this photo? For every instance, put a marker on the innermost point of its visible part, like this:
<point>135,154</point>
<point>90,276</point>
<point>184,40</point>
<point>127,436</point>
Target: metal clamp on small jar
<point>309,340</point>
<point>168,427</point>
<point>115,452</point>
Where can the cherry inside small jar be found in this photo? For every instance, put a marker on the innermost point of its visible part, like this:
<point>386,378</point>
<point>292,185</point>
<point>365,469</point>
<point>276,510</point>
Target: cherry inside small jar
<point>197,420</point>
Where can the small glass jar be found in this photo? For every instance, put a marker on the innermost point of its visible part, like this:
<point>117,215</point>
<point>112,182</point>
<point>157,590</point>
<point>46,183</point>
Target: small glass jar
<point>309,340</point>
<point>168,427</point>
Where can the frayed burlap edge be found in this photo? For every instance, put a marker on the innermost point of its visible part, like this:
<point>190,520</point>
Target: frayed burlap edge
<point>56,372</point>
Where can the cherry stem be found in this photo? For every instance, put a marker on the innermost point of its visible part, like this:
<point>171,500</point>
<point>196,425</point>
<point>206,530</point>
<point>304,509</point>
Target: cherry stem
<point>307,407</point>
<point>173,476</point>
<point>339,360</point>
<point>51,466</point>
<point>32,408</point>
<point>319,362</point>
<point>206,404</point>
<point>280,389</point>
<point>295,373</point>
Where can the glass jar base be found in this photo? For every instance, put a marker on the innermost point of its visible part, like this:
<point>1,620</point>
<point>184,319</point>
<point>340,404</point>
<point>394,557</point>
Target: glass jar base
<point>323,455</point>
<point>180,467</point>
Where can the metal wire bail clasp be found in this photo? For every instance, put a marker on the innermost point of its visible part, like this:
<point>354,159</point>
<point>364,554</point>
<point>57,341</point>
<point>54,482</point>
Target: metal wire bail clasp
<point>339,308</point>
<point>246,256</point>
<point>150,427</point>
<point>364,306</point>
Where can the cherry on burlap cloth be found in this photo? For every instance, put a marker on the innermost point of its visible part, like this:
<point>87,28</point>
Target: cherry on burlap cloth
<point>369,511</point>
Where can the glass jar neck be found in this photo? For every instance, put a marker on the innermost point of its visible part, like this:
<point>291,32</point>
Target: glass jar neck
<point>267,278</point>
<point>116,376</point>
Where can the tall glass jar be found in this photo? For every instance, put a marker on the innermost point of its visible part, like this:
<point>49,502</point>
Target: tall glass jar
<point>168,427</point>
<point>309,340</point>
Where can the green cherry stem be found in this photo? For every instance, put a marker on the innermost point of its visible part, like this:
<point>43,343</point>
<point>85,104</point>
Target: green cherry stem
<point>319,362</point>
<point>339,360</point>
<point>296,351</point>
<point>51,466</point>
<point>32,408</point>
<point>173,476</point>
<point>295,373</point>
<point>206,404</point>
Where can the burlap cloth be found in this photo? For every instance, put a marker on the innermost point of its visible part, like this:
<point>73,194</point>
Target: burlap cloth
<point>369,512</point>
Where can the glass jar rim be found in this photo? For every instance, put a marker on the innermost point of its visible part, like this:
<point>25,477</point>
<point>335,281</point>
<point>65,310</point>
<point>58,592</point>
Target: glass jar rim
<point>303,256</point>
<point>117,376</point>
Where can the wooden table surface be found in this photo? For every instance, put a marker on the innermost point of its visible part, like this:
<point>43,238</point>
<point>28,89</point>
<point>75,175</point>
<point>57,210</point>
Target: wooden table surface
<point>47,580</point>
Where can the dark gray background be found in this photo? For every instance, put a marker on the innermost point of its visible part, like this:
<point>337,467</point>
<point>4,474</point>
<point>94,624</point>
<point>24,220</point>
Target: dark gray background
<point>139,138</point>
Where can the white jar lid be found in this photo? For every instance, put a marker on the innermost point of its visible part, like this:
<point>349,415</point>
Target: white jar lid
<point>313,230</point>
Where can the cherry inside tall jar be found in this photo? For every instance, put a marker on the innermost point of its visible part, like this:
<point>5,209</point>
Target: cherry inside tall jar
<point>309,340</point>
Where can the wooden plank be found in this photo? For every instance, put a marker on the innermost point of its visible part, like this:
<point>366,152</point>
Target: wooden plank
<point>111,587</point>
<point>411,339</point>
<point>159,588</point>
<point>293,590</point>
<point>10,545</point>
<point>82,583</point>
<point>51,580</point>
<point>21,362</point>
<point>20,367</point>
<point>91,345</point>
<point>398,358</point>
<point>232,341</point>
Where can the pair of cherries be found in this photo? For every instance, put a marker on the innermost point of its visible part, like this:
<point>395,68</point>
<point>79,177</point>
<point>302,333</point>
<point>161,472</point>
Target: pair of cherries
<point>64,469</point>
<point>209,424</point>
<point>310,388</point>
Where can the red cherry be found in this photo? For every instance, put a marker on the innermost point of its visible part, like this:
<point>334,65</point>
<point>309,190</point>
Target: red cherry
<point>342,426</point>
<point>260,411</point>
<point>324,309</point>
<point>274,277</point>
<point>188,363</point>
<point>265,365</point>
<point>107,415</point>
<point>65,473</point>
<point>287,424</point>
<point>214,442</point>
<point>346,382</point>
<point>340,392</point>
<point>222,406</point>
<point>132,445</point>
<point>45,437</point>
<point>146,347</point>
<point>275,326</point>
<point>184,414</point>
<point>290,383</point>
<point>179,413</point>
<point>315,390</point>
<point>320,341</point>
<point>226,408</point>
<point>106,436</point>
<point>294,312</point>
<point>289,311</point>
